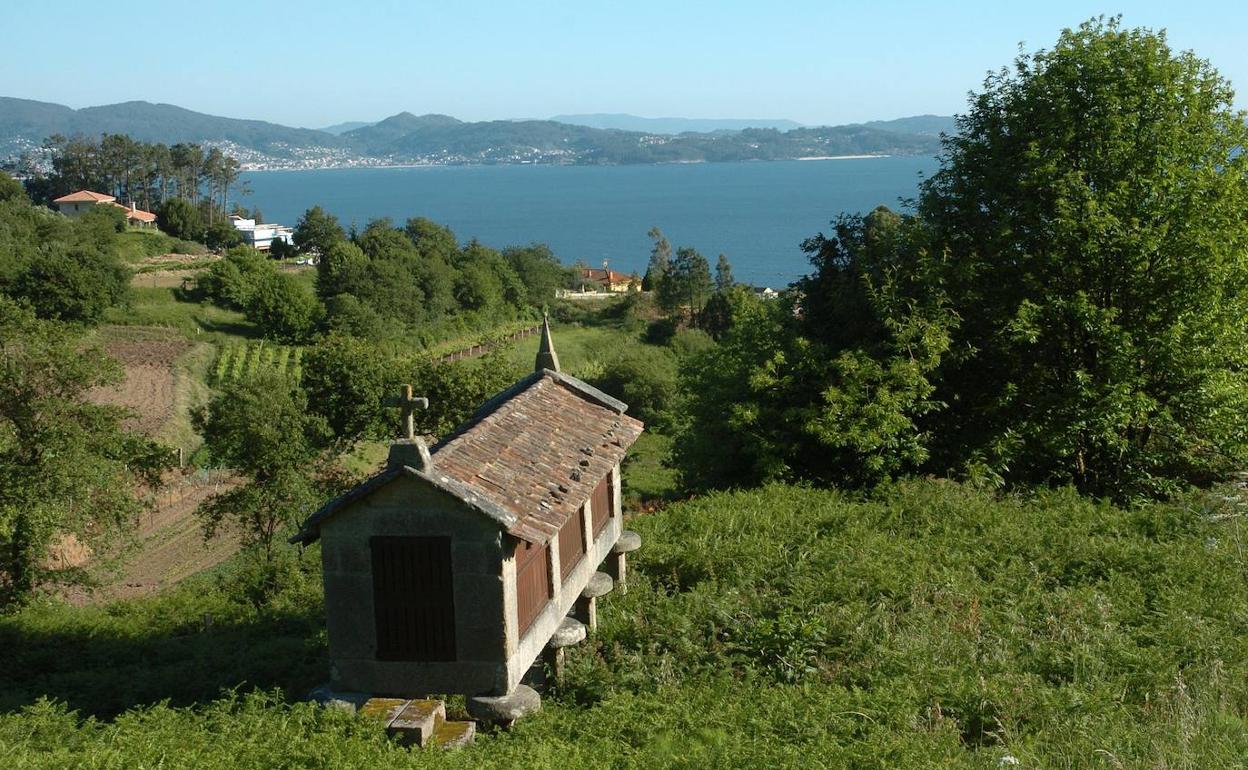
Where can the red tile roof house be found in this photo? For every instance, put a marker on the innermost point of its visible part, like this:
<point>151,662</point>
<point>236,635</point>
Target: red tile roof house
<point>78,203</point>
<point>598,278</point>
<point>454,569</point>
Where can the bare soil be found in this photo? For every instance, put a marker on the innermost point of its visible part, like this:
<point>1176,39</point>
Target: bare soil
<point>148,388</point>
<point>169,544</point>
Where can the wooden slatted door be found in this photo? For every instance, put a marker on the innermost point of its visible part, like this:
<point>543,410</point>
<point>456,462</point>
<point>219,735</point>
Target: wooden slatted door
<point>571,544</point>
<point>600,503</point>
<point>413,598</point>
<point>533,586</point>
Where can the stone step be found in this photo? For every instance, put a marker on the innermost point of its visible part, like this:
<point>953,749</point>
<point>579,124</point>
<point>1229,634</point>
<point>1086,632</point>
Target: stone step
<point>452,735</point>
<point>413,721</point>
<point>418,721</point>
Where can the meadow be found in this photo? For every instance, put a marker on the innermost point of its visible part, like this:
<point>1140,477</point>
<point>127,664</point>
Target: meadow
<point>929,625</point>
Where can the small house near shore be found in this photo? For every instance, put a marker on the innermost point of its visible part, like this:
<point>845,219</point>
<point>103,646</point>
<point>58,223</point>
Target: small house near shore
<point>450,571</point>
<point>602,279</point>
<point>78,203</point>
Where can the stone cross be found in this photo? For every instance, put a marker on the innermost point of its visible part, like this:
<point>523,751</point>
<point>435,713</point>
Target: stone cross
<point>408,405</point>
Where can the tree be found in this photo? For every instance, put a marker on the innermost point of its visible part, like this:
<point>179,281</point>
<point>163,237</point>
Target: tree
<point>539,270</point>
<point>723,274</point>
<point>284,309</point>
<point>262,428</point>
<point>340,268</point>
<point>660,261</point>
<point>181,219</point>
<point>348,381</point>
<point>833,390</point>
<point>67,467</point>
<point>10,188</point>
<point>686,282</point>
<point>1089,216</point>
<point>316,231</point>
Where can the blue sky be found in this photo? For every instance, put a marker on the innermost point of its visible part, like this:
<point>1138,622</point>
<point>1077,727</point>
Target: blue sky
<point>314,63</point>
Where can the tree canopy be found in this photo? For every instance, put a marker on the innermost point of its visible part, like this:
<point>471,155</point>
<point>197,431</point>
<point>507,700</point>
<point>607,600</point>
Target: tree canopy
<point>1068,305</point>
<point>67,467</point>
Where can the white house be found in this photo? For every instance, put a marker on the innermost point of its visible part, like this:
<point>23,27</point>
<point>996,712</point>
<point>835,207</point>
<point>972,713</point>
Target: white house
<point>261,236</point>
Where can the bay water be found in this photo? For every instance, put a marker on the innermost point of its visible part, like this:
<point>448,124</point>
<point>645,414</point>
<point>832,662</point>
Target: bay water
<point>757,213</point>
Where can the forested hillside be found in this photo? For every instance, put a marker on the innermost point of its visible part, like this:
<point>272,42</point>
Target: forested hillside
<point>408,138</point>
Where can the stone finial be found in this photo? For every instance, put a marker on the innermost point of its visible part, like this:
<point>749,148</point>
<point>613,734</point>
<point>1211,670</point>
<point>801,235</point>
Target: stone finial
<point>410,450</point>
<point>546,356</point>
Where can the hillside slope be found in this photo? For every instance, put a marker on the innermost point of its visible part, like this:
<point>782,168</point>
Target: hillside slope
<point>34,121</point>
<point>933,626</point>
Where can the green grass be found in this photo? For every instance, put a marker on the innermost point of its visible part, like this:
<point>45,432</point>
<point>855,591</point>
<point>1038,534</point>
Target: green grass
<point>156,306</point>
<point>931,626</point>
<point>580,348</point>
<point>239,359</point>
<point>137,244</point>
<point>646,478</point>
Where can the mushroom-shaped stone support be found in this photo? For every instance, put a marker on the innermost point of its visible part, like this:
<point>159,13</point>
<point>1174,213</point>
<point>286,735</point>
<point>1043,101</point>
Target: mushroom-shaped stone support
<point>586,609</point>
<point>617,561</point>
<point>504,709</point>
<point>571,631</point>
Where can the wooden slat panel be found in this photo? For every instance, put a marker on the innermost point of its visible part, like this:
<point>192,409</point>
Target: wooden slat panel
<point>600,504</point>
<point>413,598</point>
<point>533,587</point>
<point>571,544</point>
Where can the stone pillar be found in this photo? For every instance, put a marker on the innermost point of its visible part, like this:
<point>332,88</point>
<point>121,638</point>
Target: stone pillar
<point>586,608</point>
<point>617,560</point>
<point>570,632</point>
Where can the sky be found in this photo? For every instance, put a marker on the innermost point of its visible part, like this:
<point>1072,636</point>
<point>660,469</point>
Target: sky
<point>314,63</point>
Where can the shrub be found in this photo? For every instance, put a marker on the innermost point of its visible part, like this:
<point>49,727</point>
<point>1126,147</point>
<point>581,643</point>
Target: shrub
<point>644,377</point>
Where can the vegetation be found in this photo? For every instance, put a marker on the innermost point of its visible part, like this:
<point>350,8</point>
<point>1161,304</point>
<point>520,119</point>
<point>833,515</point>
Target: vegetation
<point>245,360</point>
<point>66,466</point>
<point>1060,323</point>
<point>262,428</point>
<point>65,269</point>
<point>148,175</point>
<point>965,629</point>
<point>1057,312</point>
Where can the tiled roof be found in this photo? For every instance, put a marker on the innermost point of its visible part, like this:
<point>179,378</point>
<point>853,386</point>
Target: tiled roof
<point>527,459</point>
<point>85,196</point>
<point>539,453</point>
<point>139,214</point>
<point>599,274</point>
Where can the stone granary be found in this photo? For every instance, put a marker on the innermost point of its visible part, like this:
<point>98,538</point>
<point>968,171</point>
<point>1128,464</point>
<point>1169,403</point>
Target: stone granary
<point>450,571</point>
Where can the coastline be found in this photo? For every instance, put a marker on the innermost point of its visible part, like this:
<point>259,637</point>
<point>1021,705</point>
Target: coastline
<point>253,169</point>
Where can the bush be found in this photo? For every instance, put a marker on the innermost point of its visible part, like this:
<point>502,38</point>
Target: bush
<point>643,377</point>
<point>285,309</point>
<point>180,219</point>
<point>235,281</point>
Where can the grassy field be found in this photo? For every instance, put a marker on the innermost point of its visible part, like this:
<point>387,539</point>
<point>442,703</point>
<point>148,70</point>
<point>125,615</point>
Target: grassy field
<point>579,347</point>
<point>931,626</point>
<point>160,306</point>
<point>138,244</point>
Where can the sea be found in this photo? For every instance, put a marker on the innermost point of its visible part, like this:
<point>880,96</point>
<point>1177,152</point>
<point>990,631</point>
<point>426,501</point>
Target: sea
<point>757,213</point>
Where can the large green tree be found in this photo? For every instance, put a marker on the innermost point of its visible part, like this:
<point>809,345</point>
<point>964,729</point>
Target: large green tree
<point>316,231</point>
<point>67,468</point>
<point>1090,217</point>
<point>262,428</point>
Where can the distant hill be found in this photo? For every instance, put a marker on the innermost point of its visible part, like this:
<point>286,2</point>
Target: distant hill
<point>445,139</point>
<point>928,125</point>
<point>342,128</point>
<point>34,121</point>
<point>409,138</point>
<point>624,122</point>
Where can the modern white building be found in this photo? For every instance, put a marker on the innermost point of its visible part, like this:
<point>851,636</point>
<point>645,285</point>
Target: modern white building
<point>261,236</point>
